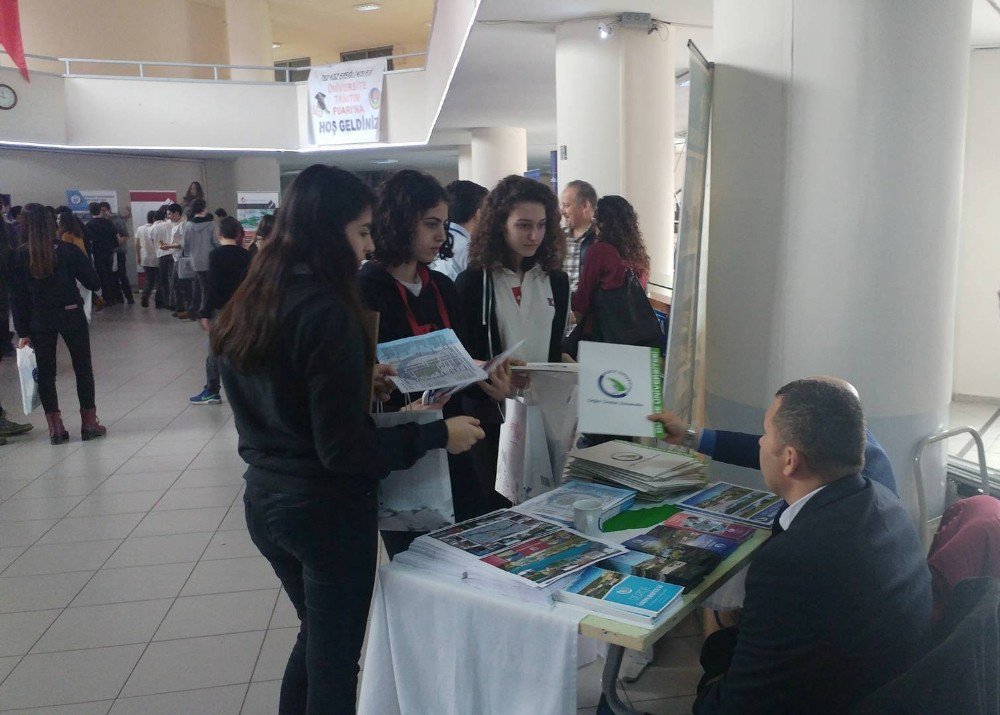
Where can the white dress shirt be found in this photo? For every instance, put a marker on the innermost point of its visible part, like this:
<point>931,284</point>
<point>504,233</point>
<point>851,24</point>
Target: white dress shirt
<point>789,514</point>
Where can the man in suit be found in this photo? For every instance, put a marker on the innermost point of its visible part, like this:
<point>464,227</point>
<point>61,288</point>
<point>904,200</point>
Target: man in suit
<point>838,600</point>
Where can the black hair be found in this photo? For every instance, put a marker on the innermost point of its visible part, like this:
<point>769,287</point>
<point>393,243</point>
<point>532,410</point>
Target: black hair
<point>94,208</point>
<point>221,213</point>
<point>105,205</point>
<point>464,199</point>
<point>403,199</point>
<point>150,216</point>
<point>198,205</point>
<point>230,228</point>
<point>160,213</point>
<point>175,208</point>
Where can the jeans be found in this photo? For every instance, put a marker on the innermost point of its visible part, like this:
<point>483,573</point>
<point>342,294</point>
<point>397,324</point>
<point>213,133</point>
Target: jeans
<point>323,550</point>
<point>110,288</point>
<point>212,381</point>
<point>121,276</point>
<point>152,280</point>
<point>180,290</point>
<point>164,282</point>
<point>199,298</point>
<point>76,334</point>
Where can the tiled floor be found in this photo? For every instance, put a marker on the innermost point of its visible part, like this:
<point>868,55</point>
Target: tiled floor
<point>128,583</point>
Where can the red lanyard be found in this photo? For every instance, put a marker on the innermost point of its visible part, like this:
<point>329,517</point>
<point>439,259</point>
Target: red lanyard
<point>425,279</point>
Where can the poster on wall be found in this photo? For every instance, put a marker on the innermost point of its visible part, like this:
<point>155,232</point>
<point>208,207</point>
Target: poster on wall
<point>252,206</point>
<point>679,376</point>
<point>345,102</point>
<point>142,202</point>
<point>79,199</point>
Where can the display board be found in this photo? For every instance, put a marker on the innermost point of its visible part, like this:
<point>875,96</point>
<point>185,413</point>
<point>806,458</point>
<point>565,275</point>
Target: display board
<point>252,206</point>
<point>142,202</point>
<point>679,376</point>
<point>345,102</point>
<point>78,200</point>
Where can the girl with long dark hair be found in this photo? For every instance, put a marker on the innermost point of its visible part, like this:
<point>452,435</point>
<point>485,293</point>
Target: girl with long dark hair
<point>411,299</point>
<point>263,232</point>
<point>619,249</point>
<point>297,364</point>
<point>46,304</point>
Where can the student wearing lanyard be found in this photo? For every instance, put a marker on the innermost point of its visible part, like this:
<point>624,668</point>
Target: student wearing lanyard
<point>512,292</point>
<point>409,231</point>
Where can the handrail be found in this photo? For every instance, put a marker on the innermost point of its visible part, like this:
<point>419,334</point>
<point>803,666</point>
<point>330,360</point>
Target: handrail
<point>142,64</point>
<point>918,471</point>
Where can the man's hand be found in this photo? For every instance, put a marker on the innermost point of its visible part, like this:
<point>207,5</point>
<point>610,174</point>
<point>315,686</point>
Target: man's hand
<point>24,343</point>
<point>383,385</point>
<point>497,387</point>
<point>463,433</point>
<point>673,425</point>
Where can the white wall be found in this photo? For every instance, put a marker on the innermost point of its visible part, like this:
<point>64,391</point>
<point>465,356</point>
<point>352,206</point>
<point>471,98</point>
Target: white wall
<point>40,113</point>
<point>977,333</point>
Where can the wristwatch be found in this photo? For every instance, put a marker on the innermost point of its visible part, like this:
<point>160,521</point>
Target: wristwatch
<point>691,437</point>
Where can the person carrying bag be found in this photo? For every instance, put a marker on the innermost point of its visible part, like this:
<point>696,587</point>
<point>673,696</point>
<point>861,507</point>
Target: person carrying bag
<point>610,304</point>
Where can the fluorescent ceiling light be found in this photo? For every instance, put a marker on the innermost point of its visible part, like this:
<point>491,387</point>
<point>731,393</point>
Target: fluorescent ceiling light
<point>368,7</point>
<point>385,161</point>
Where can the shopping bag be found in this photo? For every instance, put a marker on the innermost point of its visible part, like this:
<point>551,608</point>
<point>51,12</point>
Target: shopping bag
<point>185,268</point>
<point>524,468</point>
<point>27,370</point>
<point>556,396</point>
<point>88,300</point>
<point>418,498</point>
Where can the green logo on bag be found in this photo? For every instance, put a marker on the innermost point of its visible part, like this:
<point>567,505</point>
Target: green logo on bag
<point>615,383</point>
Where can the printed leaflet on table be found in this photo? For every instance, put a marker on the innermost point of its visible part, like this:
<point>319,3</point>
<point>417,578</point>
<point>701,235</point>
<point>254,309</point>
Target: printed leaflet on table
<point>620,386</point>
<point>557,504</point>
<point>653,472</point>
<point>684,574</point>
<point>661,539</point>
<point>629,598</point>
<point>430,362</point>
<point>750,506</point>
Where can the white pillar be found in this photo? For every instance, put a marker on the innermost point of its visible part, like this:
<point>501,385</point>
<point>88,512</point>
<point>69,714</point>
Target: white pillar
<point>465,162</point>
<point>257,173</point>
<point>248,30</point>
<point>615,118</point>
<point>836,175</point>
<point>498,152</point>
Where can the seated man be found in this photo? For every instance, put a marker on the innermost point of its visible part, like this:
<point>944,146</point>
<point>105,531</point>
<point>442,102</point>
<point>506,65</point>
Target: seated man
<point>838,600</point>
<point>741,449</point>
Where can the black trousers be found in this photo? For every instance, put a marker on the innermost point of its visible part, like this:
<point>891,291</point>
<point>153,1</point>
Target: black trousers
<point>323,549</point>
<point>121,275</point>
<point>76,334</point>
<point>152,280</point>
<point>110,288</point>
<point>164,276</point>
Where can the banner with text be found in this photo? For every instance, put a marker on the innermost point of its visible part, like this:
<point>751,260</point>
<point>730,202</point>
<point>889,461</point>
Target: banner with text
<point>252,206</point>
<point>142,202</point>
<point>79,199</point>
<point>345,102</point>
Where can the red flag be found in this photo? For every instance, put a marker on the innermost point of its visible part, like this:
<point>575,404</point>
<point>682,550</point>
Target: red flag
<point>10,35</point>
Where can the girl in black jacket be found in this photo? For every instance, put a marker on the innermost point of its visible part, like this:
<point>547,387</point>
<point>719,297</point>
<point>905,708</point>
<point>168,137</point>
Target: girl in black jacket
<point>297,366</point>
<point>46,304</point>
<point>410,232</point>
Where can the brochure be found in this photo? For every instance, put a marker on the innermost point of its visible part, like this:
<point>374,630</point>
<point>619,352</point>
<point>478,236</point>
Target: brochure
<point>631,598</point>
<point>653,472</point>
<point>430,362</point>
<point>570,367</point>
<point>517,544</point>
<point>684,574</point>
<point>557,504</point>
<point>751,506</point>
<point>620,386</point>
<point>661,539</point>
<point>710,525</point>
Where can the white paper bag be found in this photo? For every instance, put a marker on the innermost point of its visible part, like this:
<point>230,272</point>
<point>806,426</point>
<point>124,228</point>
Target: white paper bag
<point>556,394</point>
<point>27,370</point>
<point>88,300</point>
<point>524,469</point>
<point>419,498</point>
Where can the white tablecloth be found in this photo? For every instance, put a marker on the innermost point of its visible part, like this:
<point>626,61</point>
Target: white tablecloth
<point>432,652</point>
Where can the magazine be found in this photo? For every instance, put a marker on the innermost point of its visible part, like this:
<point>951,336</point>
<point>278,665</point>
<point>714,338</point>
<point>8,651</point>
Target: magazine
<point>751,506</point>
<point>429,362</point>
<point>683,574</point>
<point>517,544</point>
<point>710,525</point>
<point>630,598</point>
<point>662,538</point>
<point>557,504</point>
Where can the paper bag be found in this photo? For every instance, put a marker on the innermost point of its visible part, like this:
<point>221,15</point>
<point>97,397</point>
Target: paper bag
<point>556,395</point>
<point>88,300</point>
<point>27,370</point>
<point>524,469</point>
<point>418,498</point>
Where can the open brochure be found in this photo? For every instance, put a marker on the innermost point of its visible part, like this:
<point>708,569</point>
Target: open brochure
<point>430,362</point>
<point>750,506</point>
<point>507,543</point>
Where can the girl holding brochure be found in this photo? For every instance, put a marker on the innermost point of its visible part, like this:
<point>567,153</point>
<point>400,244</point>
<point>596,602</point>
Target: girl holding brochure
<point>409,233</point>
<point>298,368</point>
<point>513,292</point>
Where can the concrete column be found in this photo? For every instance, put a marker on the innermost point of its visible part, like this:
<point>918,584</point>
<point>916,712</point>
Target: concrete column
<point>836,172</point>
<point>248,30</point>
<point>465,162</point>
<point>257,173</point>
<point>615,118</point>
<point>498,152</point>
<point>977,337</point>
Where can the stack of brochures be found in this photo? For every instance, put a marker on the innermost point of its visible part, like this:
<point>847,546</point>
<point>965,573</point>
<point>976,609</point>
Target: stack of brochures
<point>682,550</point>
<point>729,501</point>
<point>557,505</point>
<point>632,599</point>
<point>653,472</point>
<point>510,553</point>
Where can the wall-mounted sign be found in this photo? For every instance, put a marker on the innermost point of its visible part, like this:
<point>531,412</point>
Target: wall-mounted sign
<point>345,102</point>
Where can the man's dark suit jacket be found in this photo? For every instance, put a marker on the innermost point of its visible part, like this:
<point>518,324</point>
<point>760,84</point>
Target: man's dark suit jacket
<point>835,606</point>
<point>742,450</point>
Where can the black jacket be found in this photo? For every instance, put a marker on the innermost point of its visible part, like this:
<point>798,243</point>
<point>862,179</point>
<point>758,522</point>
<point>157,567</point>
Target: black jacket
<point>835,607</point>
<point>303,421</point>
<point>227,267</point>
<point>476,309</point>
<point>40,306</point>
<point>101,236</point>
